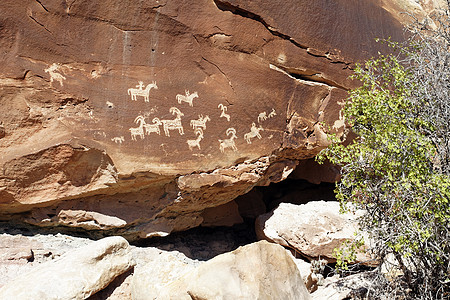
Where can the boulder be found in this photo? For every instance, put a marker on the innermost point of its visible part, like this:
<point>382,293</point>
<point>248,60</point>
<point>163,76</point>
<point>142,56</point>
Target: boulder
<point>75,275</point>
<point>151,278</point>
<point>135,117</point>
<point>257,271</point>
<point>314,229</point>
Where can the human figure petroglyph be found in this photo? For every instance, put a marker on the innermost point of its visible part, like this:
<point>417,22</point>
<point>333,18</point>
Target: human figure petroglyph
<point>196,143</point>
<point>53,75</point>
<point>140,86</point>
<point>140,92</point>
<point>224,114</point>
<point>188,97</point>
<point>228,143</point>
<point>262,117</point>
<point>254,132</point>
<point>138,131</point>
<point>118,139</point>
<point>173,124</point>
<point>200,123</point>
<point>149,128</point>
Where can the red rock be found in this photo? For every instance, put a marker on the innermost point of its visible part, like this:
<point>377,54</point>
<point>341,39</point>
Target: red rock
<point>87,88</point>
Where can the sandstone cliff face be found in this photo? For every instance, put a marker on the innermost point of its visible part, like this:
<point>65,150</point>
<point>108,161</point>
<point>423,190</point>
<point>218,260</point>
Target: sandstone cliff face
<point>134,117</point>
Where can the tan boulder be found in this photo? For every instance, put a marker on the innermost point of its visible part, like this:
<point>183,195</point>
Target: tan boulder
<point>314,229</point>
<point>151,278</point>
<point>75,275</point>
<point>260,270</point>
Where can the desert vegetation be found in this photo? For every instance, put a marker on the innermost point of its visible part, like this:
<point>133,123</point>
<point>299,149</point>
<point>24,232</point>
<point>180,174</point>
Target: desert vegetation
<point>397,168</point>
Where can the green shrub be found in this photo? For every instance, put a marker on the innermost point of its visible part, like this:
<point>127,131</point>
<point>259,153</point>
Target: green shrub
<point>398,167</point>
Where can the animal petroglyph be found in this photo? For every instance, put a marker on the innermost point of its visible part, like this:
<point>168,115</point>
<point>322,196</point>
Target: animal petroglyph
<point>224,114</point>
<point>138,131</point>
<point>118,139</point>
<point>53,75</point>
<point>175,123</point>
<point>200,123</point>
<point>254,132</point>
<point>228,143</point>
<point>272,114</point>
<point>196,143</point>
<point>264,116</point>
<point>142,92</point>
<point>149,128</point>
<point>189,98</point>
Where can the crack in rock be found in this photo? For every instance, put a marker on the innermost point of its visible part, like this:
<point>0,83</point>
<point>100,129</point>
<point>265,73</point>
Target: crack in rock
<point>39,23</point>
<point>226,6</point>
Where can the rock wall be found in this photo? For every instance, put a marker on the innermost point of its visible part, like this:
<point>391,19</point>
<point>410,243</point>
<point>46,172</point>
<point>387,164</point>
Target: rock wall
<point>133,117</point>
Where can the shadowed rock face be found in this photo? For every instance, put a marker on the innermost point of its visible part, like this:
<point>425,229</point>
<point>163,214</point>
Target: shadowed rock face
<point>137,116</point>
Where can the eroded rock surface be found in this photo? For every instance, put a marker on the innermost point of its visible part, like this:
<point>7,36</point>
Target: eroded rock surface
<point>135,117</point>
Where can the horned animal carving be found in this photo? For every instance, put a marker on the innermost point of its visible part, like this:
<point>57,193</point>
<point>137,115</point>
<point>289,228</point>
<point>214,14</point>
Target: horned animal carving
<point>188,97</point>
<point>142,92</point>
<point>196,143</point>
<point>149,128</point>
<point>272,114</point>
<point>228,143</point>
<point>224,114</point>
<point>175,123</point>
<point>254,132</point>
<point>138,131</point>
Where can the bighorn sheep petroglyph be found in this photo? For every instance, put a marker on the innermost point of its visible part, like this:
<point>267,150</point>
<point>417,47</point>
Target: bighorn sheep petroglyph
<point>175,123</point>
<point>196,143</point>
<point>138,131</point>
<point>272,113</point>
<point>223,114</point>
<point>149,128</point>
<point>228,143</point>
